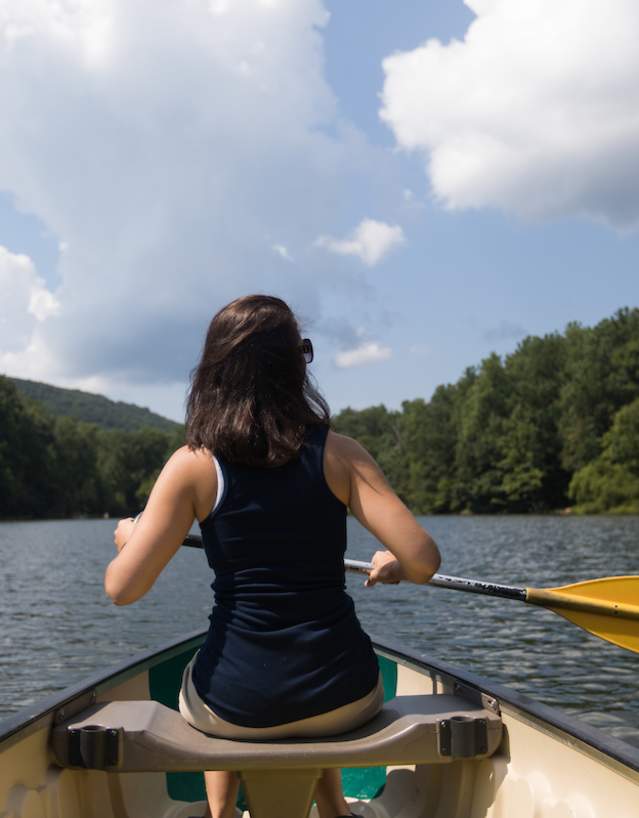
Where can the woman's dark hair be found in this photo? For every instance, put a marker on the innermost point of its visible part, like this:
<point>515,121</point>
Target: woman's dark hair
<point>251,399</point>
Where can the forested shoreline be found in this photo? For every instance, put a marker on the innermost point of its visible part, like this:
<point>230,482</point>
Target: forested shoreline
<point>553,425</point>
<point>53,466</point>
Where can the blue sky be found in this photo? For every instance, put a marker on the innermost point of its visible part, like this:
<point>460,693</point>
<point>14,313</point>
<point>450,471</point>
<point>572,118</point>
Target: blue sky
<point>148,178</point>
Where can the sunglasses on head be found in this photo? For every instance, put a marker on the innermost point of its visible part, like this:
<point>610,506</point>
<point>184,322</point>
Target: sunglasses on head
<point>307,350</point>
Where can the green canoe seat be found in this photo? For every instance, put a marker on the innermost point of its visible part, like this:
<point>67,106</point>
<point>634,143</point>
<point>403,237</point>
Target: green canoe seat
<point>139,736</point>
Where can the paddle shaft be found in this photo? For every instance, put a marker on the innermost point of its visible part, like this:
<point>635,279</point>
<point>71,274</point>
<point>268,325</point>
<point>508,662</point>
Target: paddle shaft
<point>472,586</point>
<point>536,596</point>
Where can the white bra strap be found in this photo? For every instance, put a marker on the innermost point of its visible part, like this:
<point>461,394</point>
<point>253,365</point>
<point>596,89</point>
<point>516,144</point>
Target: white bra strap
<point>220,484</point>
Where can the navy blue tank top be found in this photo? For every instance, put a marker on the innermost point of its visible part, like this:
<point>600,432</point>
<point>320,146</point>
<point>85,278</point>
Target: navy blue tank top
<point>284,642</point>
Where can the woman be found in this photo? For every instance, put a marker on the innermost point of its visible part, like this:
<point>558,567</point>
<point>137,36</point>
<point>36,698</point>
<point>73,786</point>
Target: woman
<point>270,484</point>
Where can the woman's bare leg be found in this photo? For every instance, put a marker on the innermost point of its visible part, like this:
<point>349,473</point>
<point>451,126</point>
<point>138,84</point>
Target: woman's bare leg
<point>221,793</point>
<point>329,796</point>
<point>222,788</point>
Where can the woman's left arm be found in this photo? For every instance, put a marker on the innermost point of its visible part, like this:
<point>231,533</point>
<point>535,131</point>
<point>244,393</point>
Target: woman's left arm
<point>157,535</point>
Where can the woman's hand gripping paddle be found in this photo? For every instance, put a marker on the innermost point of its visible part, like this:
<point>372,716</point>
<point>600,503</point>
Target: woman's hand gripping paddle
<point>607,607</point>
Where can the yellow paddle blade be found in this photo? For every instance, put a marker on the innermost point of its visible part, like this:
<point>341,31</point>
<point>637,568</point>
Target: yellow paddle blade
<point>621,632</point>
<point>606,607</point>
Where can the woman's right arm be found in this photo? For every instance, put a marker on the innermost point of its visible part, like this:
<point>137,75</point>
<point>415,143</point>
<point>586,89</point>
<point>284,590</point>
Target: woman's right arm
<point>414,555</point>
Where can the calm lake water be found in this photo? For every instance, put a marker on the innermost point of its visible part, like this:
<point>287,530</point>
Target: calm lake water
<point>58,626</point>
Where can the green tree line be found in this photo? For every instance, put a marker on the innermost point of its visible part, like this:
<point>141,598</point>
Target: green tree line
<point>553,425</point>
<point>54,466</point>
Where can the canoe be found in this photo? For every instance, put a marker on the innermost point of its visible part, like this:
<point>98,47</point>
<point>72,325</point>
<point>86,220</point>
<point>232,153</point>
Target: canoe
<point>447,744</point>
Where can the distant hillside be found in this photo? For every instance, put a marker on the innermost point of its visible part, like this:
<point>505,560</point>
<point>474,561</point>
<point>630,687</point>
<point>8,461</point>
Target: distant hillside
<point>93,408</point>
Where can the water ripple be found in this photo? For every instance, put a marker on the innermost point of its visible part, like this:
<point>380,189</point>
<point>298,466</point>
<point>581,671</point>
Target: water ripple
<point>58,626</point>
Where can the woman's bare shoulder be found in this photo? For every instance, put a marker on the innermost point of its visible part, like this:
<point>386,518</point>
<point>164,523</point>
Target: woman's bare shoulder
<point>345,448</point>
<point>190,460</point>
<point>194,468</point>
<point>343,457</point>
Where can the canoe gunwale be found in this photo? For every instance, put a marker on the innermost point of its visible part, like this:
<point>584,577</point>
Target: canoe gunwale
<point>540,714</point>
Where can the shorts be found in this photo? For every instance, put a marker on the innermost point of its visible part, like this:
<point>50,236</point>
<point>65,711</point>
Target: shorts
<point>340,720</point>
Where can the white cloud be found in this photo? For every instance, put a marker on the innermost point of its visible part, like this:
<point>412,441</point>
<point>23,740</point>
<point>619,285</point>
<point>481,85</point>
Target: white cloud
<point>160,143</point>
<point>25,305</point>
<point>24,301</point>
<point>282,251</point>
<point>534,112</point>
<point>368,352</point>
<point>370,241</point>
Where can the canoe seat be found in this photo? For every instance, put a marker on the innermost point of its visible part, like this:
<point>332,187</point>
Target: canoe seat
<point>139,736</point>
